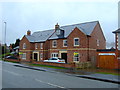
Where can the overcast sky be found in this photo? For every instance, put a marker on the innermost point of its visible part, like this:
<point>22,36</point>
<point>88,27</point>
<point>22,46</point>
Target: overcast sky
<point>35,16</point>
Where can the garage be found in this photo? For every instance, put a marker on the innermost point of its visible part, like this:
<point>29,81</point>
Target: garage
<point>106,59</point>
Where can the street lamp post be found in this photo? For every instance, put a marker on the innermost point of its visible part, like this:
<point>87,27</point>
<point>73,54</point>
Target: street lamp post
<point>5,39</point>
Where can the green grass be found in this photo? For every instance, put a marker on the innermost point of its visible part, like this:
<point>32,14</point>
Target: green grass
<point>109,73</point>
<point>55,67</point>
<point>2,55</point>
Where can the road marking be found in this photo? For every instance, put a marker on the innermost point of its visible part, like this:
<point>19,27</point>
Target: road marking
<point>12,72</point>
<point>49,83</point>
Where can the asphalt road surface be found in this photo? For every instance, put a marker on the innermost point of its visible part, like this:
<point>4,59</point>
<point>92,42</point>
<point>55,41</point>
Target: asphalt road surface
<point>18,77</point>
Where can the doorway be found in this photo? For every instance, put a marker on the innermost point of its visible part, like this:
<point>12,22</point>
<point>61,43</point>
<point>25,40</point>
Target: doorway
<point>64,56</point>
<point>35,56</point>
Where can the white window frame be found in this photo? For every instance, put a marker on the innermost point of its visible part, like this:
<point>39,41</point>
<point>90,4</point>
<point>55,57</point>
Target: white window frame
<point>53,43</point>
<point>78,41</point>
<point>24,45</point>
<point>75,58</point>
<point>41,56</point>
<point>98,42</point>
<point>54,54</point>
<point>24,55</point>
<point>64,43</point>
<point>41,45</point>
<point>36,46</point>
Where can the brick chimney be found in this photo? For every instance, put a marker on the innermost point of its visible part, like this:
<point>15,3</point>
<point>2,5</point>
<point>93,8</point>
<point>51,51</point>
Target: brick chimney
<point>56,26</point>
<point>28,32</point>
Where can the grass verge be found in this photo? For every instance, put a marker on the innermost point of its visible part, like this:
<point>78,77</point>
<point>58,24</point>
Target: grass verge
<point>108,73</point>
<point>48,66</point>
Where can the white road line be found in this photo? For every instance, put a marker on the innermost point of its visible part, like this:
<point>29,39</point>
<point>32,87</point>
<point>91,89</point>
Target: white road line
<point>12,73</point>
<point>49,83</point>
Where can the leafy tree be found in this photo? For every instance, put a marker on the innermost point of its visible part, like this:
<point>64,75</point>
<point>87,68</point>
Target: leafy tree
<point>17,42</point>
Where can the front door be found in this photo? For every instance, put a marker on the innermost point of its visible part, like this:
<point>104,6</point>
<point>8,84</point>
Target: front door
<point>64,56</point>
<point>35,56</point>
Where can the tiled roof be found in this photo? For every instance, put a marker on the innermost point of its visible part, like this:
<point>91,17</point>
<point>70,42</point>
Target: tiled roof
<point>86,28</point>
<point>42,36</point>
<point>117,31</point>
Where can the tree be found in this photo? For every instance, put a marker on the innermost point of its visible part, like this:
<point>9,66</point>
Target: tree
<point>17,42</point>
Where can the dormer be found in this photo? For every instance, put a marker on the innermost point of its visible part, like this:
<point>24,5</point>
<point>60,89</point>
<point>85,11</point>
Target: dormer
<point>58,31</point>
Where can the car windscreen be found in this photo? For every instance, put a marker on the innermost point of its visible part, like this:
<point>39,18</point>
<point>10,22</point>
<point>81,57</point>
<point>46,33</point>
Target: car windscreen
<point>60,58</point>
<point>54,58</point>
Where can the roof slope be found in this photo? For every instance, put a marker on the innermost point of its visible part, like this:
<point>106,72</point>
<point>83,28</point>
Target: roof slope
<point>86,28</point>
<point>42,36</point>
<point>117,31</point>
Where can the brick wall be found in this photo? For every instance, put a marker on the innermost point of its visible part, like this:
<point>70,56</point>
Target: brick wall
<point>97,34</point>
<point>72,65</point>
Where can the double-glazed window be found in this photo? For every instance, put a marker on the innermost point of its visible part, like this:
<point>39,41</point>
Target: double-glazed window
<point>24,56</point>
<point>54,43</point>
<point>41,45</point>
<point>98,42</point>
<point>64,43</point>
<point>54,55</point>
<point>76,56</point>
<point>24,45</point>
<point>36,46</point>
<point>41,56</point>
<point>76,41</point>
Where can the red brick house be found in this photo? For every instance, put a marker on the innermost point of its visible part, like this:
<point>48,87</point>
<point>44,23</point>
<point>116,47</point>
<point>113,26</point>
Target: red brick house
<point>110,58</point>
<point>74,43</point>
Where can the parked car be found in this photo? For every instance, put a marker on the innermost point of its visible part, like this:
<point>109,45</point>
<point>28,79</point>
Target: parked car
<point>11,57</point>
<point>55,60</point>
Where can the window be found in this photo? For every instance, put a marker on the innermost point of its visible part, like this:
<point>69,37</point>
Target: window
<point>24,56</point>
<point>98,42</point>
<point>76,57</point>
<point>76,41</point>
<point>54,43</point>
<point>36,46</point>
<point>64,43</point>
<point>41,56</point>
<point>54,55</point>
<point>24,45</point>
<point>41,45</point>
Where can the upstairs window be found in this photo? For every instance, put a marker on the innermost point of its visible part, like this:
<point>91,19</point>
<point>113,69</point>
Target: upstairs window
<point>64,43</point>
<point>76,41</point>
<point>41,45</point>
<point>36,46</point>
<point>54,43</point>
<point>98,42</point>
<point>24,45</point>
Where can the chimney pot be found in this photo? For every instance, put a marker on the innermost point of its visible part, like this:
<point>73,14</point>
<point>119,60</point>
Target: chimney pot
<point>28,32</point>
<point>56,26</point>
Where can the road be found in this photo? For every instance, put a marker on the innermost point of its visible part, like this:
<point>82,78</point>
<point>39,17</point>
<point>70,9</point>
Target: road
<point>18,77</point>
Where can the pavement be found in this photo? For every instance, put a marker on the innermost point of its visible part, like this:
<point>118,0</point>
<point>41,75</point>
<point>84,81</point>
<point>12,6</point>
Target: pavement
<point>81,74</point>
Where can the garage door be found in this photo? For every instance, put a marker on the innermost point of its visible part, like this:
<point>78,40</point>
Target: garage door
<point>106,61</point>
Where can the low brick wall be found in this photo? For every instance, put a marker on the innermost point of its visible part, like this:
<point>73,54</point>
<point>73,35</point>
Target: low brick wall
<point>83,65</point>
<point>13,60</point>
<point>71,65</point>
